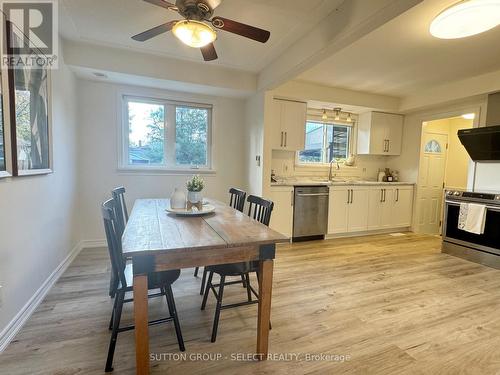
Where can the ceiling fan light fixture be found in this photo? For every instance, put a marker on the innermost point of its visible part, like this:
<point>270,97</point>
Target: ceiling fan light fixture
<point>195,34</point>
<point>466,18</point>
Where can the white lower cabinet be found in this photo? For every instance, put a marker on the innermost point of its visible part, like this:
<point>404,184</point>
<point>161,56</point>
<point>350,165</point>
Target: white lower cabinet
<point>403,206</point>
<point>360,209</point>
<point>282,215</point>
<point>347,209</point>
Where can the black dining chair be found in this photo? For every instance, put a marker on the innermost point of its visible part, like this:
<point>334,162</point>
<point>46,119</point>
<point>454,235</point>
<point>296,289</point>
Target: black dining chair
<point>236,201</point>
<point>259,209</point>
<point>121,215</point>
<point>123,272</point>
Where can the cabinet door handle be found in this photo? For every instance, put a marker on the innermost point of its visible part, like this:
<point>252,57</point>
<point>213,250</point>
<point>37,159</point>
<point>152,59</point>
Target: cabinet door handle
<point>381,195</point>
<point>348,196</point>
<point>292,197</point>
<point>397,195</point>
<point>286,133</point>
<point>352,196</point>
<point>385,196</point>
<point>281,143</point>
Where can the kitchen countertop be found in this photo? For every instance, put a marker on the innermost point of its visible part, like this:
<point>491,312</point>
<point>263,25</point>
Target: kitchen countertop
<point>337,183</point>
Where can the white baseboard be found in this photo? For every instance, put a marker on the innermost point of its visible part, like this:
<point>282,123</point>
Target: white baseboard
<point>90,244</point>
<point>367,233</point>
<point>22,316</point>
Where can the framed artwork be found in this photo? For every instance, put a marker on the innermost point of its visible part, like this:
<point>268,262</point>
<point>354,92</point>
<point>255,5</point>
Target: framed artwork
<point>29,91</point>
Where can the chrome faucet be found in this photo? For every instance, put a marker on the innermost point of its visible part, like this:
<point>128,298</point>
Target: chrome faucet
<point>330,174</point>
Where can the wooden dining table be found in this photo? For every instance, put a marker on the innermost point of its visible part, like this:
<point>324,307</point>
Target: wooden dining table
<point>159,241</point>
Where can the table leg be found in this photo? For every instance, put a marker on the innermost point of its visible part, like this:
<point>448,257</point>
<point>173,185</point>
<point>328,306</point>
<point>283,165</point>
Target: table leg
<point>141,324</point>
<point>265,291</point>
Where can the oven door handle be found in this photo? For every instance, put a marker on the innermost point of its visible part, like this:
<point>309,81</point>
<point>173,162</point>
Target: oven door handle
<point>491,208</point>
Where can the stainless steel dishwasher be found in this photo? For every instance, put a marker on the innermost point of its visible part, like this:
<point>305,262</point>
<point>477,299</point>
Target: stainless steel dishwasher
<point>310,214</point>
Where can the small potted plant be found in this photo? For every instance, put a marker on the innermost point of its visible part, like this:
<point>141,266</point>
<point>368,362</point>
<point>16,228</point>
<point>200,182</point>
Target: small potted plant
<point>194,187</point>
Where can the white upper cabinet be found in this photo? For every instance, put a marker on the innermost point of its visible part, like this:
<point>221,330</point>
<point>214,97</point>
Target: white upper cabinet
<point>380,133</point>
<point>288,125</point>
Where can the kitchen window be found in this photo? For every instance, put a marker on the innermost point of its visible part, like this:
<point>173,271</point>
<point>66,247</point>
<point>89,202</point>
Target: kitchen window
<point>166,135</point>
<point>325,142</point>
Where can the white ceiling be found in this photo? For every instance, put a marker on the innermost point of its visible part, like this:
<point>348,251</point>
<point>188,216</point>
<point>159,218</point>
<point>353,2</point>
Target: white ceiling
<point>113,22</point>
<point>401,57</point>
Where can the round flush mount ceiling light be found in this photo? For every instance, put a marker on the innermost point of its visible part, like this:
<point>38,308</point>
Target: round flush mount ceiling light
<point>194,33</point>
<point>466,18</point>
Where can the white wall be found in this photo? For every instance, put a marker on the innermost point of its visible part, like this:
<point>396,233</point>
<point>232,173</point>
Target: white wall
<point>99,141</point>
<point>254,138</point>
<point>38,221</point>
<point>408,162</point>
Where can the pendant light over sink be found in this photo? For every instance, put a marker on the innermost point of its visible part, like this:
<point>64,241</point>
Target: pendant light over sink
<point>466,18</point>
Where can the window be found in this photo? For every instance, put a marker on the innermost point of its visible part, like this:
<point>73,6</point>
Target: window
<point>433,147</point>
<point>166,135</point>
<point>325,142</point>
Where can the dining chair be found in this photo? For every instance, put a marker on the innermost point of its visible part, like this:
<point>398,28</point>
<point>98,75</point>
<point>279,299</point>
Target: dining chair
<point>236,201</point>
<point>123,272</point>
<point>121,215</point>
<point>259,209</point>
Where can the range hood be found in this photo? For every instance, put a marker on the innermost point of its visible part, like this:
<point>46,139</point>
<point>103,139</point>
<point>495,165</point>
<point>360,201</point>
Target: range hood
<point>483,144</point>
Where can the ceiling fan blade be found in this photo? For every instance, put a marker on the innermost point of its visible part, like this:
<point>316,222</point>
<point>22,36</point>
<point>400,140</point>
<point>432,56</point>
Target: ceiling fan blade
<point>239,28</point>
<point>209,53</point>
<point>155,31</point>
<point>161,3</point>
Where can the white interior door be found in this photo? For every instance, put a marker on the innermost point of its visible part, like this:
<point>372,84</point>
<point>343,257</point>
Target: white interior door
<point>431,182</point>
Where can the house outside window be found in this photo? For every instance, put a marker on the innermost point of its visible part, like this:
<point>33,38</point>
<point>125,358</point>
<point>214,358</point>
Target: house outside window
<point>325,142</point>
<point>163,134</point>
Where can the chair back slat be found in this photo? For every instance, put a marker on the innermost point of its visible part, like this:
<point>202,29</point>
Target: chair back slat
<point>118,195</point>
<point>237,200</point>
<point>260,209</point>
<point>113,239</point>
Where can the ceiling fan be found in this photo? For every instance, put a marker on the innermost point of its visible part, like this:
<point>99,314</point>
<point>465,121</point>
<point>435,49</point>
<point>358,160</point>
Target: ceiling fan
<point>195,29</point>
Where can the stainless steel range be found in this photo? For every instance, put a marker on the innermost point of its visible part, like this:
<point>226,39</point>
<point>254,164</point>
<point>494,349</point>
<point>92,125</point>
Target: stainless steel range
<point>480,248</point>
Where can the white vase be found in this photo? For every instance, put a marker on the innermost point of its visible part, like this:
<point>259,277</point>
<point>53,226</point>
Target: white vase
<point>194,196</point>
<point>178,199</point>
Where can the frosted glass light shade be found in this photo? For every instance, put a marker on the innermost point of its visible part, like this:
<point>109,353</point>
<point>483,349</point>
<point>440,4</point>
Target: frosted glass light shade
<point>466,18</point>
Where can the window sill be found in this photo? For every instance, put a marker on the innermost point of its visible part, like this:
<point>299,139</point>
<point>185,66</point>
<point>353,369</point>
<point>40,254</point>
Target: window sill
<point>322,166</point>
<point>34,172</point>
<point>155,171</point>
<point>5,174</point>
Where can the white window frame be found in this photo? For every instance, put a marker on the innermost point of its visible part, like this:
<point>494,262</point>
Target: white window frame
<point>169,147</point>
<point>300,164</point>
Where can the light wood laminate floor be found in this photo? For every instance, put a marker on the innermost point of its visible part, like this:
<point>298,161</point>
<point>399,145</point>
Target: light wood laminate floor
<point>389,305</point>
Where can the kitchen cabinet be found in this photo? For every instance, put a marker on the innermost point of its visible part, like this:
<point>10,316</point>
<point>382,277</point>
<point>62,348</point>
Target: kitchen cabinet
<point>347,209</point>
<point>380,133</point>
<point>288,125</point>
<point>403,206</point>
<point>282,215</point>
<point>390,207</point>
